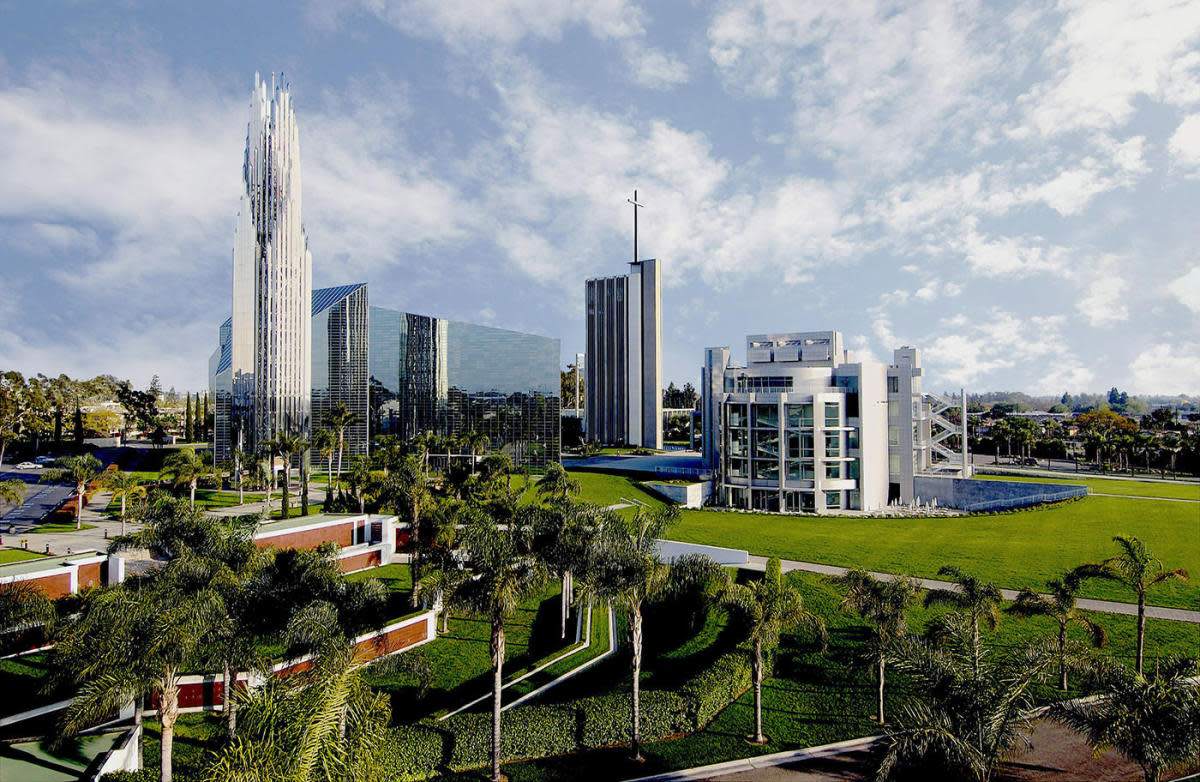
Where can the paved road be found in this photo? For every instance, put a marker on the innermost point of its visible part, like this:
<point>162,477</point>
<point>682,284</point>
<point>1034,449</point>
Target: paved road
<point>1102,606</point>
<point>40,499</point>
<point>1055,754</point>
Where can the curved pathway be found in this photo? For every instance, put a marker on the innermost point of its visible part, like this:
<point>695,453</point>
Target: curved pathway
<point>1087,604</point>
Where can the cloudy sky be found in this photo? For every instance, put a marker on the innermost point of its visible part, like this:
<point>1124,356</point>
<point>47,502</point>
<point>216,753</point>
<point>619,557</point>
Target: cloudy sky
<point>1013,187</point>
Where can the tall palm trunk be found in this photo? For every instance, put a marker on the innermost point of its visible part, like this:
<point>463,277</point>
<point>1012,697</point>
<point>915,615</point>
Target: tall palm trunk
<point>756,672</point>
<point>231,704</point>
<point>882,666</point>
<point>192,493</point>
<point>1062,655</point>
<point>497,685</point>
<point>79,490</point>
<point>122,514</point>
<point>1141,628</point>
<point>341,448</point>
<point>168,712</point>
<point>635,643</point>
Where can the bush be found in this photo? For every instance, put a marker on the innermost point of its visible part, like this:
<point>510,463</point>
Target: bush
<point>464,741</point>
<point>719,685</point>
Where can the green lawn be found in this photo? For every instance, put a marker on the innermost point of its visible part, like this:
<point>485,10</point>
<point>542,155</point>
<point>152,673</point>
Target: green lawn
<point>607,489</point>
<point>398,580</point>
<point>16,555</point>
<point>57,526</point>
<point>1014,550</point>
<point>21,680</point>
<point>1173,490</point>
<point>813,698</point>
<point>461,659</point>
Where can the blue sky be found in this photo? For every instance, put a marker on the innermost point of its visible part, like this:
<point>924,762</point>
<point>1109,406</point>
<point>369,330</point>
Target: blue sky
<point>1011,186</point>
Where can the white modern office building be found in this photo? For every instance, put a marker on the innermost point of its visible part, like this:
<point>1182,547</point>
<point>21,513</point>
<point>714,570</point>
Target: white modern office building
<point>270,344</point>
<point>623,390</point>
<point>803,427</point>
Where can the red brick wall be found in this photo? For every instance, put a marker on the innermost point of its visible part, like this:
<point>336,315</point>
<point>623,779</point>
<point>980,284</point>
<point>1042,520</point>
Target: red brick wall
<point>195,695</point>
<point>89,575</point>
<point>341,534</point>
<point>400,638</point>
<point>359,561</point>
<point>55,585</point>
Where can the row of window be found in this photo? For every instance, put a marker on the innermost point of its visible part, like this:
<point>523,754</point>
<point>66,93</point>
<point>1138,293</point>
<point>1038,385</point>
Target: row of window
<point>801,470</point>
<point>767,415</point>
<point>794,501</point>
<point>799,444</point>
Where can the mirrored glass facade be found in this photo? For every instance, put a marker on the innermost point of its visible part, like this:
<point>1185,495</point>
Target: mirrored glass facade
<point>435,375</point>
<point>340,349</point>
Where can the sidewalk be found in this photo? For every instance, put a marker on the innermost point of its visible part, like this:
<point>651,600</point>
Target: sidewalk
<point>1087,604</point>
<point>75,541</point>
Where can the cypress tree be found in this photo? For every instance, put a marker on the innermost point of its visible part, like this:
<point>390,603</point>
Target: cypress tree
<point>78,426</point>
<point>187,419</point>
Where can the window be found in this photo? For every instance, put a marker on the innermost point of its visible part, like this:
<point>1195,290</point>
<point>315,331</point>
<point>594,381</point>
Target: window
<point>766,445</point>
<point>800,471</point>
<point>766,470</point>
<point>739,442</point>
<point>737,414</point>
<point>737,468</point>
<point>800,415</point>
<point>766,416</point>
<point>833,445</point>
<point>893,410</point>
<point>894,464</point>
<point>893,435</point>
<point>833,414</point>
<point>852,469</point>
<point>833,470</point>
<point>751,383</point>
<point>893,385</point>
<point>852,439</point>
<point>833,500</point>
<point>799,445</point>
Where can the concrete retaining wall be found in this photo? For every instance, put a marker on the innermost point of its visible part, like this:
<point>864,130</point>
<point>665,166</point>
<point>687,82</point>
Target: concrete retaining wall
<point>690,495</point>
<point>972,494</point>
<point>672,549</point>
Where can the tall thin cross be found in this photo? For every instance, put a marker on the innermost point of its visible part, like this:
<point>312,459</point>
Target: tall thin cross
<point>636,206</point>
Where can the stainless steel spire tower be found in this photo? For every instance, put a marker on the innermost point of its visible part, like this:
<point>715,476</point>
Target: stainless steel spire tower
<point>271,343</point>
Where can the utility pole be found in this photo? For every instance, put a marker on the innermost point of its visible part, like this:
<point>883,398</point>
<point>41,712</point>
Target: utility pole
<point>636,206</point>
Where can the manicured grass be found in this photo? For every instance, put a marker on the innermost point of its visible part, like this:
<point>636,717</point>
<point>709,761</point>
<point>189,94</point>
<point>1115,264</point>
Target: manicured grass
<point>1172,490</point>
<point>597,647</point>
<point>1022,549</point>
<point>21,681</point>
<point>16,555</point>
<point>398,580</point>
<point>816,698</point>
<point>606,489</point>
<point>196,737</point>
<point>461,659</point>
<point>56,526</point>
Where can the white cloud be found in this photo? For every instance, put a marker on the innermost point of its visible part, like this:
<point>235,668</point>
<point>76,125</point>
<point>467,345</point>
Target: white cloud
<point>1109,52</point>
<point>1011,256</point>
<point>1104,305</point>
<point>1184,144</point>
<point>1186,289</point>
<point>1167,368</point>
<point>655,69</point>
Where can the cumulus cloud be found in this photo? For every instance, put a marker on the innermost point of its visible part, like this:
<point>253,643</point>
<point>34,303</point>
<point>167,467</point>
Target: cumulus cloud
<point>1167,368</point>
<point>1184,144</point>
<point>1186,289</point>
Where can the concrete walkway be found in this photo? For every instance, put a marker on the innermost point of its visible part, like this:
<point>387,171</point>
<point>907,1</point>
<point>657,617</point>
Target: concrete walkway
<point>1138,497</point>
<point>1087,604</point>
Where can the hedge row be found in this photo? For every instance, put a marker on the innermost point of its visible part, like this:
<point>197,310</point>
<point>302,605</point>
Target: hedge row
<point>464,740</point>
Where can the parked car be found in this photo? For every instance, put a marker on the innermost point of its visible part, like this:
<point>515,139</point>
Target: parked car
<point>28,466</point>
<point>1029,461</point>
<point>46,460</point>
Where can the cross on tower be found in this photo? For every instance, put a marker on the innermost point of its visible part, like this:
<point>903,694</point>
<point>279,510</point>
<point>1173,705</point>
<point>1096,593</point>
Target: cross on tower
<point>636,206</point>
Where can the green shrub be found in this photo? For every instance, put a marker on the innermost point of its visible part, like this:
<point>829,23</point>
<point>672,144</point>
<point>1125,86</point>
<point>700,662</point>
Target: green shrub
<point>719,685</point>
<point>526,732</point>
<point>413,751</point>
<point>606,720</point>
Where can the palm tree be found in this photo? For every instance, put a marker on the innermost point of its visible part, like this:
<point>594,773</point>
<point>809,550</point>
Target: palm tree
<point>1136,569</point>
<point>439,585</point>
<point>979,600</point>
<point>340,418</point>
<point>132,644</point>
<point>505,574</point>
<point>269,449</point>
<point>123,485</point>
<point>388,451</point>
<point>12,491</point>
<point>883,605</point>
<point>557,484</point>
<point>22,604</point>
<point>287,445</point>
<point>324,442</point>
<point>476,443</point>
<point>1060,605</point>
<point>1153,721</point>
<point>80,470</point>
<point>968,709</point>
<point>187,467</point>
<point>359,478</point>
<point>406,491</point>
<point>625,567</point>
<point>769,606</point>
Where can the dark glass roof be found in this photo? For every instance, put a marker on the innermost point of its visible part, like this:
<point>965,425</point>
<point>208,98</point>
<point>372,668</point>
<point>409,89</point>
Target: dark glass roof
<point>324,298</point>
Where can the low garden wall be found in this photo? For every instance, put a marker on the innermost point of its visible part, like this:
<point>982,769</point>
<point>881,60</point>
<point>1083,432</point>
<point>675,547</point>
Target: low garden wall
<point>981,496</point>
<point>65,575</point>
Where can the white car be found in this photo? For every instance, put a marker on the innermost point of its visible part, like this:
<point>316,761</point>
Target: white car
<point>28,466</point>
<point>45,460</point>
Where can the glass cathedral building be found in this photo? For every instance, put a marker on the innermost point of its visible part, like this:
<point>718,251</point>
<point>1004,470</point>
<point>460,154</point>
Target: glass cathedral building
<point>450,378</point>
<point>407,374</point>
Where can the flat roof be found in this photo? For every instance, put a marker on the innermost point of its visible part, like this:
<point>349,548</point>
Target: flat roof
<point>44,563</point>
<point>314,518</point>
